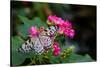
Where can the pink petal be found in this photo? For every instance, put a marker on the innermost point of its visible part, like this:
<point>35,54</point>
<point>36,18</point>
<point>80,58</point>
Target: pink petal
<point>33,31</point>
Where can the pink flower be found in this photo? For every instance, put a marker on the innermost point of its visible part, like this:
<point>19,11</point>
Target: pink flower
<point>65,27</point>
<point>32,31</point>
<point>57,20</point>
<point>55,45</point>
<point>56,52</point>
<point>69,32</point>
<point>56,49</point>
<point>61,29</point>
<point>54,19</point>
<point>62,26</point>
<point>50,18</point>
<point>67,24</point>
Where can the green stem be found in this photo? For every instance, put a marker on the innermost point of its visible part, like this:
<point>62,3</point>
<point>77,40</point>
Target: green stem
<point>32,62</point>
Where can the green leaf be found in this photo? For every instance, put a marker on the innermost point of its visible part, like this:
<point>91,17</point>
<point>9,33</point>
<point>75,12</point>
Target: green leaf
<point>17,58</point>
<point>25,20</point>
<point>37,22</point>
<point>74,58</point>
<point>23,29</point>
<point>16,42</point>
<point>34,22</point>
<point>55,59</point>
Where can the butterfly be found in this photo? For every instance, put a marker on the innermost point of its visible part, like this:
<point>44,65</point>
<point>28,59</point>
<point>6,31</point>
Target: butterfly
<point>40,43</point>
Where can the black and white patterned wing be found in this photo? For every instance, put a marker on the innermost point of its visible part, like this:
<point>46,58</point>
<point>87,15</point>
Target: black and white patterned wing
<point>38,46</point>
<point>32,44</point>
<point>26,47</point>
<point>46,41</point>
<point>51,31</point>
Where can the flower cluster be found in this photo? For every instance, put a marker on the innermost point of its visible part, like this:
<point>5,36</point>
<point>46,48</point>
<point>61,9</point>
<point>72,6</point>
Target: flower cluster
<point>56,49</point>
<point>33,31</point>
<point>65,27</point>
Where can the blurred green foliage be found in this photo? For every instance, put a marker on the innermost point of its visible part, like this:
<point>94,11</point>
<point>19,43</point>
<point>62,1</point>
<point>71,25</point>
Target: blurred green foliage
<point>23,28</point>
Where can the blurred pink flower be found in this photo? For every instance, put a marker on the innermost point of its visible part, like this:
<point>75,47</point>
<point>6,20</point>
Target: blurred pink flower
<point>56,52</point>
<point>50,18</point>
<point>69,32</point>
<point>55,45</point>
<point>65,27</point>
<point>67,24</point>
<point>56,49</point>
<point>61,29</point>
<point>32,31</point>
<point>54,19</point>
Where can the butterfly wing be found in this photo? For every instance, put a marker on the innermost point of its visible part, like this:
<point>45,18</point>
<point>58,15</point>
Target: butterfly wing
<point>46,41</point>
<point>30,44</point>
<point>26,47</point>
<point>47,36</point>
<point>51,31</point>
<point>38,47</point>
